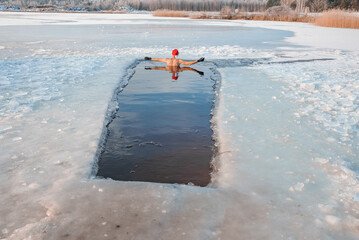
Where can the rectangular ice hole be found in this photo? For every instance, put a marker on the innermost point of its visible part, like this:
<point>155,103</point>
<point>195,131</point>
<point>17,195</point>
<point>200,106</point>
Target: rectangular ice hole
<point>161,131</point>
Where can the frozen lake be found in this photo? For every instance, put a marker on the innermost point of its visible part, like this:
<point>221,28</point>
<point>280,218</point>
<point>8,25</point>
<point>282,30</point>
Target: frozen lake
<point>286,127</point>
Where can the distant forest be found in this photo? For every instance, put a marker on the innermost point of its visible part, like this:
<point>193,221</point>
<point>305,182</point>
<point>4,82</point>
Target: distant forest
<point>343,4</point>
<point>146,5</point>
<point>198,5</point>
<point>179,5</point>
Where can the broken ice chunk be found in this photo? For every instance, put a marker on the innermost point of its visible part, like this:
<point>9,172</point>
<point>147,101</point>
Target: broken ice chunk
<point>4,128</point>
<point>332,220</point>
<point>16,139</point>
<point>297,187</point>
<point>321,160</point>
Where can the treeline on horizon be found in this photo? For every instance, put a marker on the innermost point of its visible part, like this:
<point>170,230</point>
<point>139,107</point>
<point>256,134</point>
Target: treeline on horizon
<point>184,5</point>
<point>316,5</point>
<point>145,5</point>
<point>199,5</point>
<point>343,4</point>
<point>81,5</point>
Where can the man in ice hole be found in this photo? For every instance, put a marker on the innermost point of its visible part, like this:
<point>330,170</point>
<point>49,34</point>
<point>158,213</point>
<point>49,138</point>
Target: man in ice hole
<point>174,64</point>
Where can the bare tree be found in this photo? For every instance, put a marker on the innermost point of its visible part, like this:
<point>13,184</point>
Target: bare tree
<point>318,5</point>
<point>300,6</point>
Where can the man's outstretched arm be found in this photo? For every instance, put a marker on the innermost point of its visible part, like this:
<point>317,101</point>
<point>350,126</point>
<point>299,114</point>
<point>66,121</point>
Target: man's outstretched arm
<point>190,63</point>
<point>156,59</point>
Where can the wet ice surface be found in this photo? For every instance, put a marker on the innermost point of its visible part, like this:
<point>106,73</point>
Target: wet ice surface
<point>161,131</point>
<point>287,133</point>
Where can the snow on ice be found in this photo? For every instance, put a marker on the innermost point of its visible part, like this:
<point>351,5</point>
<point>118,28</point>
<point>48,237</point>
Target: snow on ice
<point>285,120</point>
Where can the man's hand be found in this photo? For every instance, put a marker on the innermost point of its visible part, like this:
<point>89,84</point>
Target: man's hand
<point>148,58</point>
<point>200,60</point>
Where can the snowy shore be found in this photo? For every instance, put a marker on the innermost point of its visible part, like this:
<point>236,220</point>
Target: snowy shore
<point>287,127</point>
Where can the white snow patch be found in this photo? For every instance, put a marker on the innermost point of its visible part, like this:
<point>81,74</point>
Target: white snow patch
<point>332,220</point>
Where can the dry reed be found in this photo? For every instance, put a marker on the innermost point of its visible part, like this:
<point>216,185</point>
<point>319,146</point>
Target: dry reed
<point>338,18</point>
<point>199,16</point>
<point>169,13</point>
<point>284,18</point>
<point>257,17</point>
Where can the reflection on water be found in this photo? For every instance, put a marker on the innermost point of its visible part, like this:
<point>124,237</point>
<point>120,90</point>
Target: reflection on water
<point>161,132</point>
<point>175,70</point>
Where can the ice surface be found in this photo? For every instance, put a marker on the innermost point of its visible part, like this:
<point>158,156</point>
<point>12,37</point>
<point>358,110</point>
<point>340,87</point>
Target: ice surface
<point>314,36</point>
<point>327,94</point>
<point>269,154</point>
<point>286,127</point>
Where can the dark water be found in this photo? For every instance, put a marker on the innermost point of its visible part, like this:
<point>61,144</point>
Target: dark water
<point>161,132</point>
